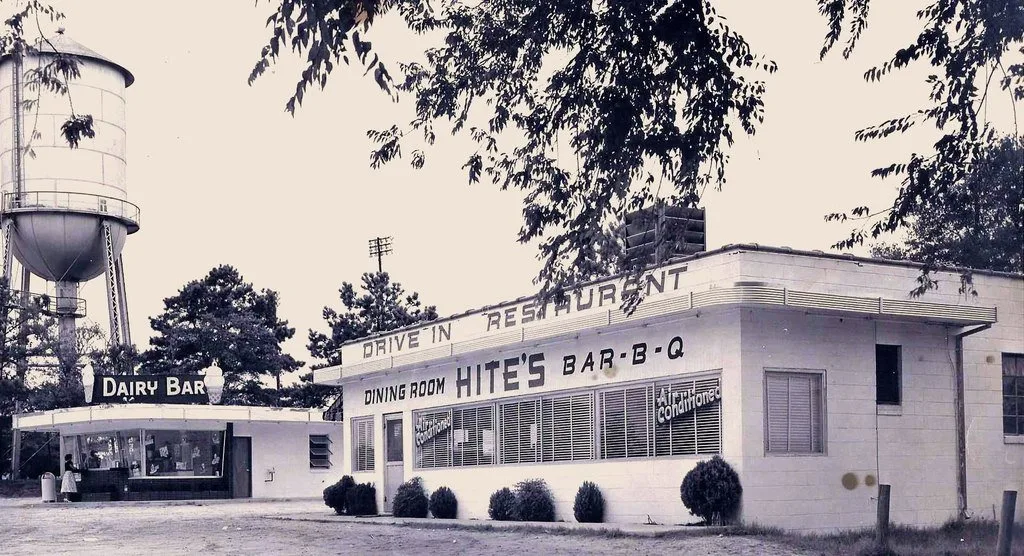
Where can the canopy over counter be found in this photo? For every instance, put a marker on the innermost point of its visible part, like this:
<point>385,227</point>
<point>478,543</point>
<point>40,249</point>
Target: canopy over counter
<point>157,416</point>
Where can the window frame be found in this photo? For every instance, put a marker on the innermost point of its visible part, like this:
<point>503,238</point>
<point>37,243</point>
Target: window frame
<point>1018,396</point>
<point>653,387</point>
<point>821,375</point>
<point>899,376</point>
<point>369,457</point>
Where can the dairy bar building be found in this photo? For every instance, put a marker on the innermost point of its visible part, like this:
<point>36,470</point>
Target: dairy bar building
<point>817,377</point>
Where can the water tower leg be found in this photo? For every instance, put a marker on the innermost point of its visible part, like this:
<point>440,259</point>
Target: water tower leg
<point>126,332</point>
<point>8,252</point>
<point>114,304</point>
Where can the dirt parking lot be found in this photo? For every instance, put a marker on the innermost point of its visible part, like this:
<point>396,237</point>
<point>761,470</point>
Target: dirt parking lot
<point>27,527</point>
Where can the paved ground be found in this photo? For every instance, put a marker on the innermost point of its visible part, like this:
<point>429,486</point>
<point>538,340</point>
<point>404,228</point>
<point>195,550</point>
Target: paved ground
<point>298,527</point>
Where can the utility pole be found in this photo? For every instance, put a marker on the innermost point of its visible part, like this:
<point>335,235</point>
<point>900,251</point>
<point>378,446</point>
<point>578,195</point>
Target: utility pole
<point>379,247</point>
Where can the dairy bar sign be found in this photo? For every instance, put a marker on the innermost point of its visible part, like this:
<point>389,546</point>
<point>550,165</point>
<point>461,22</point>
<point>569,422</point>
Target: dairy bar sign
<point>181,389</point>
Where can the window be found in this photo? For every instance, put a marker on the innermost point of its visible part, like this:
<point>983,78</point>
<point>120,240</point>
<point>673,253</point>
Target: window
<point>362,444</point>
<point>888,368</point>
<point>455,437</point>
<point>626,419</point>
<point>567,427</point>
<point>794,408</point>
<point>473,441</point>
<point>178,453</point>
<point>433,438</point>
<point>639,421</point>
<point>1013,394</point>
<point>319,451</point>
<point>520,431</point>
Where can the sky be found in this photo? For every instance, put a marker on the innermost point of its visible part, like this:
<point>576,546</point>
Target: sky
<point>223,175</point>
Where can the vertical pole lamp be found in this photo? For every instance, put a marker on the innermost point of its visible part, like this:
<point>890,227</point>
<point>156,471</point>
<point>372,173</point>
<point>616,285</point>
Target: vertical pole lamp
<point>214,380</point>
<point>88,379</point>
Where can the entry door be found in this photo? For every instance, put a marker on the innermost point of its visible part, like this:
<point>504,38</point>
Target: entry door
<point>241,467</point>
<point>394,460</point>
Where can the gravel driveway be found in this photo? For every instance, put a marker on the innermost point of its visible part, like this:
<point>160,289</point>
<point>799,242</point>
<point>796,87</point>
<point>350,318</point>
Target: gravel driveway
<point>256,528</point>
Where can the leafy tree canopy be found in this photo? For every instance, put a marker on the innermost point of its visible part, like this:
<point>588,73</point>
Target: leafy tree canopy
<point>647,96</point>
<point>221,319</point>
<point>382,306</point>
<point>976,223</point>
<point>644,97</point>
<point>968,43</point>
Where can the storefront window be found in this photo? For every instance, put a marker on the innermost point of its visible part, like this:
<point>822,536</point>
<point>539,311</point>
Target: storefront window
<point>105,450</point>
<point>178,453</point>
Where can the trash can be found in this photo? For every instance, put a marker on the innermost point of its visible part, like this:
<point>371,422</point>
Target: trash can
<point>49,487</point>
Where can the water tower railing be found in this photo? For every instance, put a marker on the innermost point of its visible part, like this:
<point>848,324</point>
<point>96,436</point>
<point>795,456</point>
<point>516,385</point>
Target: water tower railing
<point>72,202</point>
<point>48,304</point>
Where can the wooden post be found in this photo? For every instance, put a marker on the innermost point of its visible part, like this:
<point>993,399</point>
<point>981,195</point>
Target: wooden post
<point>882,534</point>
<point>1006,523</point>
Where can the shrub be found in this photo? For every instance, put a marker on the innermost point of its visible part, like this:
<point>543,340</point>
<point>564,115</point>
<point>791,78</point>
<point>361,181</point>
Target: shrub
<point>534,501</point>
<point>410,499</point>
<point>502,506</point>
<point>361,500</point>
<point>712,491</point>
<point>443,504</point>
<point>589,504</point>
<point>334,495</point>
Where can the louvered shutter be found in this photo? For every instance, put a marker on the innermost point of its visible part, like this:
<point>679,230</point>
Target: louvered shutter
<point>319,451</point>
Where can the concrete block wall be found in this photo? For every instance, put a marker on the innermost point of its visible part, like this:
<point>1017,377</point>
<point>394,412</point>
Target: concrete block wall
<point>994,462</point>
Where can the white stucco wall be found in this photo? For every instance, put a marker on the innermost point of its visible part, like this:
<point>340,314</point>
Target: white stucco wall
<point>633,488</point>
<point>284,448</point>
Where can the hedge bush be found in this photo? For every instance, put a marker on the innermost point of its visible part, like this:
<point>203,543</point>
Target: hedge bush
<point>534,501</point>
<point>712,491</point>
<point>443,504</point>
<point>502,506</point>
<point>361,500</point>
<point>410,499</point>
<point>589,504</point>
<point>334,495</point>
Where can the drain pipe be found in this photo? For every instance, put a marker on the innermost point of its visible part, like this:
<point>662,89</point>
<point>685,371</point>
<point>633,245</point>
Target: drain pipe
<point>961,429</point>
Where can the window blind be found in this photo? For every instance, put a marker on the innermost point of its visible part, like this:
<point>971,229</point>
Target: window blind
<point>435,451</point>
<point>795,417</point>
<point>362,444</point>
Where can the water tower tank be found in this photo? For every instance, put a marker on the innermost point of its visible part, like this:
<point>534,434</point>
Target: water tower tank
<point>66,194</point>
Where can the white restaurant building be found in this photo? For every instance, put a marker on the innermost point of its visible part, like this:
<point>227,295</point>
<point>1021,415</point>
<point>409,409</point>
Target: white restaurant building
<point>815,376</point>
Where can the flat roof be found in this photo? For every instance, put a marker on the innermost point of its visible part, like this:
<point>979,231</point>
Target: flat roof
<point>732,247</point>
<point>130,415</point>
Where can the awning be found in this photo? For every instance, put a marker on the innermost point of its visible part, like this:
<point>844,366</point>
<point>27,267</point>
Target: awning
<point>158,416</point>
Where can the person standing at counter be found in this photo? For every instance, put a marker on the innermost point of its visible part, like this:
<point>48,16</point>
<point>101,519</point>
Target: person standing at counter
<point>68,486</point>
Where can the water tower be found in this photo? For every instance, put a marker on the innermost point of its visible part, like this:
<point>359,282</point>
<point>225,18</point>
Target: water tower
<point>64,212</point>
